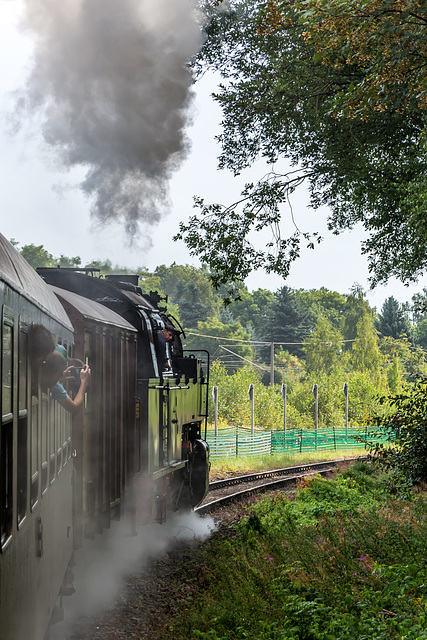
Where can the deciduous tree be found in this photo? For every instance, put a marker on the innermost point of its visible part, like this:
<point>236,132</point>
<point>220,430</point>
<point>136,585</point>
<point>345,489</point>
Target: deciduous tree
<point>37,256</point>
<point>189,288</point>
<point>365,353</point>
<point>213,335</point>
<point>385,38</point>
<point>323,348</point>
<point>279,101</point>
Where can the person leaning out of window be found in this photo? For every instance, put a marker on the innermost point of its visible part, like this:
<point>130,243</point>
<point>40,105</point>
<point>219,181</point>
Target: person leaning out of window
<point>53,369</point>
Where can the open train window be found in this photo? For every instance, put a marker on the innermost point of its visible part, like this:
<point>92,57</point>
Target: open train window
<point>151,342</point>
<point>60,428</point>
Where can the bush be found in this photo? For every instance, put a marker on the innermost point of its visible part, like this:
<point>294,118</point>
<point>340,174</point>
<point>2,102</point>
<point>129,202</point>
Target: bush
<point>407,457</point>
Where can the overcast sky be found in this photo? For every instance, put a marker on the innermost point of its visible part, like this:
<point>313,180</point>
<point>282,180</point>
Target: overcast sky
<point>42,202</point>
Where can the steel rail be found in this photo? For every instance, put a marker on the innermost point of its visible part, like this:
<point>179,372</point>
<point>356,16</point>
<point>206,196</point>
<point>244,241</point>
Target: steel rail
<point>250,477</point>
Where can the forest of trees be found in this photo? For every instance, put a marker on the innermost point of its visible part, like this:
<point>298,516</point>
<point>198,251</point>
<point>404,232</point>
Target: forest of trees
<point>320,337</point>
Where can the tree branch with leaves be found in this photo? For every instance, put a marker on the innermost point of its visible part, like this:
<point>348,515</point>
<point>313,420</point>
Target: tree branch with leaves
<point>283,99</point>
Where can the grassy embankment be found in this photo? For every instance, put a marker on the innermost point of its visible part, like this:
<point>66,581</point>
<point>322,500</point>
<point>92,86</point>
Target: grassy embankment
<point>345,560</point>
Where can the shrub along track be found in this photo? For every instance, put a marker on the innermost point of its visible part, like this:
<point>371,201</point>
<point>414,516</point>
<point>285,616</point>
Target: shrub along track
<point>151,597</point>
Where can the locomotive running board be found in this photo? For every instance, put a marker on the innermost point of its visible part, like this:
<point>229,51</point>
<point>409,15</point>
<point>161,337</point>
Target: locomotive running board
<point>174,466</point>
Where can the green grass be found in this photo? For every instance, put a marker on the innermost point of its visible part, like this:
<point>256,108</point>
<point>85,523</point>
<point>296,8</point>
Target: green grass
<point>245,464</point>
<point>345,560</point>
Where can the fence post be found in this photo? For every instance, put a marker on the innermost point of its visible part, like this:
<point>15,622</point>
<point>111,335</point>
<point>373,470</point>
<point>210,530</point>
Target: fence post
<point>316,413</point>
<point>237,441</point>
<point>215,399</point>
<point>284,390</point>
<point>251,396</point>
<point>300,441</point>
<point>345,391</point>
<point>316,404</point>
<point>335,440</point>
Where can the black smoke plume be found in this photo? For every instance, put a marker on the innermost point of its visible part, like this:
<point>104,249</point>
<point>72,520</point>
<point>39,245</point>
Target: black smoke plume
<point>110,80</point>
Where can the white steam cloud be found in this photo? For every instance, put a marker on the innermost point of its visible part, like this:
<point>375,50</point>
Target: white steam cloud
<point>110,80</point>
<point>104,561</point>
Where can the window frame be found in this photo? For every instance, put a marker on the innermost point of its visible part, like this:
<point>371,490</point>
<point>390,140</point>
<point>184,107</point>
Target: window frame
<point>6,436</point>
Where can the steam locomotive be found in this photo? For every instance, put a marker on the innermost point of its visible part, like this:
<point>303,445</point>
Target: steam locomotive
<point>136,448</point>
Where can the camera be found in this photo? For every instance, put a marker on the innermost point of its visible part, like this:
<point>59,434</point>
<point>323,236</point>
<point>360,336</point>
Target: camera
<point>76,372</point>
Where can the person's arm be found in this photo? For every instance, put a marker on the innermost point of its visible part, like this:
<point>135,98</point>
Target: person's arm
<point>75,406</point>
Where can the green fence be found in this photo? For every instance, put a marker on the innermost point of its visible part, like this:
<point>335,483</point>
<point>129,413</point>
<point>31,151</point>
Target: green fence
<point>240,441</point>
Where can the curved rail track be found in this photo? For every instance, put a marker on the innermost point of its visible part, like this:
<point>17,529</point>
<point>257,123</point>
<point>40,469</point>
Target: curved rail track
<point>221,492</point>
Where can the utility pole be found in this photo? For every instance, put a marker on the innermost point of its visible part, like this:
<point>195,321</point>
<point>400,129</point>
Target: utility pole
<point>272,364</point>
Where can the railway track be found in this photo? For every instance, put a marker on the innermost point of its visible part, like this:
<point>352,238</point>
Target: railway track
<point>223,492</point>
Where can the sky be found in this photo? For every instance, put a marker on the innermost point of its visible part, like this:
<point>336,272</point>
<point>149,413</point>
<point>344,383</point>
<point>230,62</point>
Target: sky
<point>66,194</point>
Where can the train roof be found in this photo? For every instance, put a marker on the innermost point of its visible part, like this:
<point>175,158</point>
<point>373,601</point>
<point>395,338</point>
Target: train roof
<point>90,309</point>
<point>99,289</point>
<point>20,276</point>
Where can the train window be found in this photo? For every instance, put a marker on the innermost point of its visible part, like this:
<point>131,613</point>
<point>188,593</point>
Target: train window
<point>23,369</point>
<point>22,472</point>
<point>88,340</point>
<point>63,349</point>
<point>60,428</point>
<point>66,442</point>
<point>44,434</point>
<point>151,343</point>
<point>6,451</point>
<point>53,422</point>
<point>60,419</point>
<point>22,468</point>
<point>86,404</point>
<point>34,452</point>
<point>7,374</point>
<point>6,484</point>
